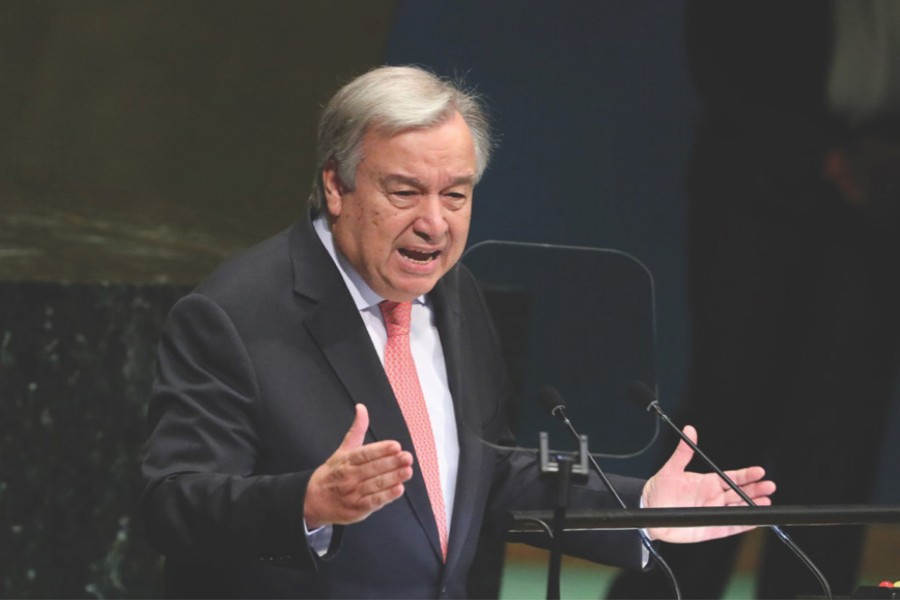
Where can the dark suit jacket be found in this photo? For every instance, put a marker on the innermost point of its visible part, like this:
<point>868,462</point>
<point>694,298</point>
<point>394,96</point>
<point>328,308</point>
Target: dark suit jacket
<point>259,370</point>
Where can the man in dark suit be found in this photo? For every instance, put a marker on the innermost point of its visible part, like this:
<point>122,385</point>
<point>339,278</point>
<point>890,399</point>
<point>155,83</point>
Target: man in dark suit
<point>284,459</point>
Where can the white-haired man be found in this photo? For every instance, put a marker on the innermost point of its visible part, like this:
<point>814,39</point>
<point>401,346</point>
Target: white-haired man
<point>287,457</point>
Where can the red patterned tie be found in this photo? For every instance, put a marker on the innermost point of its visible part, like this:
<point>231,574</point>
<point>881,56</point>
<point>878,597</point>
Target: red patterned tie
<point>401,372</point>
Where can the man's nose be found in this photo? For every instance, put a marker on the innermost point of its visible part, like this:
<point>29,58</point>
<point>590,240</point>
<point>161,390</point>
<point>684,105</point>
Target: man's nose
<point>431,221</point>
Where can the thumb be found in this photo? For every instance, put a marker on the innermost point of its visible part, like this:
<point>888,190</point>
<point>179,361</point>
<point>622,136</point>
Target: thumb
<point>683,453</point>
<point>357,431</point>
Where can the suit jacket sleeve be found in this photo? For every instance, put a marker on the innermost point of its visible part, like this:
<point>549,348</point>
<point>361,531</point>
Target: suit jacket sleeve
<point>203,500</point>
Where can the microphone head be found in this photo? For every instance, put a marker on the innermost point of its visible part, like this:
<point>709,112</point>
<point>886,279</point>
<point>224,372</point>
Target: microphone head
<point>641,394</point>
<point>550,398</point>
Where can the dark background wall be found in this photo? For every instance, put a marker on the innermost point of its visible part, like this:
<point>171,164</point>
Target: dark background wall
<point>144,141</point>
<point>595,113</point>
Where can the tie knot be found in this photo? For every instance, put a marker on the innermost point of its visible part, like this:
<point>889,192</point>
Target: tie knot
<point>396,317</point>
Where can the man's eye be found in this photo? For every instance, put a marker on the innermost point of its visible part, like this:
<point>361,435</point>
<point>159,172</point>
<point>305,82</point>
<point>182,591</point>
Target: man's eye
<point>455,200</point>
<point>403,198</point>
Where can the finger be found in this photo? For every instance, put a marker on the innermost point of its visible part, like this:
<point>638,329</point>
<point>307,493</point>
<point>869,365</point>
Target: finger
<point>376,492</point>
<point>348,501</point>
<point>379,478</point>
<point>369,453</point>
<point>747,475</point>
<point>386,464</point>
<point>358,428</point>
<point>755,491</point>
<point>385,481</point>
<point>761,501</point>
<point>359,474</point>
<point>683,452</point>
<point>382,498</point>
<point>350,480</point>
<point>346,510</point>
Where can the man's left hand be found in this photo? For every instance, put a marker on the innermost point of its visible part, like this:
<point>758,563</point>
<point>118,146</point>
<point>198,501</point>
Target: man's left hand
<point>672,486</point>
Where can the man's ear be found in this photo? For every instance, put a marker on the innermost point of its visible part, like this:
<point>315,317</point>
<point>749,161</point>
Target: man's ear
<point>333,188</point>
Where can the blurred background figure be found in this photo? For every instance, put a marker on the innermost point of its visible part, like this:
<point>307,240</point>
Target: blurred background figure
<point>793,246</point>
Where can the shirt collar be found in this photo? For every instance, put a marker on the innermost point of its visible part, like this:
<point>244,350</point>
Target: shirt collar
<point>363,295</point>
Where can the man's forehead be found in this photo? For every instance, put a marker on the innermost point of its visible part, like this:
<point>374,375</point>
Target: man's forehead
<point>412,155</point>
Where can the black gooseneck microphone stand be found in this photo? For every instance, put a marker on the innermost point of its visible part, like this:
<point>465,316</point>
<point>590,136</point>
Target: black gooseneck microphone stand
<point>641,394</point>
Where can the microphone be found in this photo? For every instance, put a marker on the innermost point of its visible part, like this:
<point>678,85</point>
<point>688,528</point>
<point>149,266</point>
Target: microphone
<point>641,394</point>
<point>550,398</point>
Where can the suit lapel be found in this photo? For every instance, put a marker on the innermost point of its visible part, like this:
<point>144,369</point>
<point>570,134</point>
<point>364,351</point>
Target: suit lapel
<point>454,339</point>
<point>337,327</point>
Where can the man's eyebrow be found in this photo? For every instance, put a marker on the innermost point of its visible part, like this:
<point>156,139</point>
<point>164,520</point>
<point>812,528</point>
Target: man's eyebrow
<point>416,182</point>
<point>413,181</point>
<point>463,180</point>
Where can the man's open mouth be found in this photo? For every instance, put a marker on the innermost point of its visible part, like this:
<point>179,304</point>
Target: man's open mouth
<point>419,256</point>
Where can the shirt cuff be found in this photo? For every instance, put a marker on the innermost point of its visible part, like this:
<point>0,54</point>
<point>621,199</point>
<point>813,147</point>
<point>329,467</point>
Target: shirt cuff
<point>645,553</point>
<point>319,539</point>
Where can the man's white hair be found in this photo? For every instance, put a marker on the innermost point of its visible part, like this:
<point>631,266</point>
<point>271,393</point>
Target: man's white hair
<point>392,99</point>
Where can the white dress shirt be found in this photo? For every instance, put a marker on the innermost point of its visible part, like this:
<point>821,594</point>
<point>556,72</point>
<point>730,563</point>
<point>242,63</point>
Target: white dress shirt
<point>428,355</point>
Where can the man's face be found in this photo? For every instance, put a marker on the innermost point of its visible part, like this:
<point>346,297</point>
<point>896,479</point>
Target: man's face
<point>406,222</point>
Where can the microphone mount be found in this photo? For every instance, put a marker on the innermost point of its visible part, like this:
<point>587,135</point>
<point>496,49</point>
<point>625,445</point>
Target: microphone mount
<point>551,399</point>
<point>551,459</point>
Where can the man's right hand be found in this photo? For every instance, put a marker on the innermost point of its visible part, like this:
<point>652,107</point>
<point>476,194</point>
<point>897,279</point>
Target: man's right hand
<point>357,479</point>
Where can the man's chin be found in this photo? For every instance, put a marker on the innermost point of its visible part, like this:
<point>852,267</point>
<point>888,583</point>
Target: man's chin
<point>410,290</point>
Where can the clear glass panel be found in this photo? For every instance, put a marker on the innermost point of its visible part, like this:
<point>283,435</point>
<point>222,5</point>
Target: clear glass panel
<point>580,320</point>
